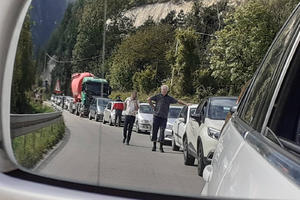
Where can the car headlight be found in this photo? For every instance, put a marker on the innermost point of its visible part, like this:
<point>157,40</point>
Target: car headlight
<point>169,126</point>
<point>213,133</point>
<point>144,121</point>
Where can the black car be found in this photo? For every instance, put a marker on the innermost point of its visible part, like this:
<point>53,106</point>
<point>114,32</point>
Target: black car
<point>97,107</point>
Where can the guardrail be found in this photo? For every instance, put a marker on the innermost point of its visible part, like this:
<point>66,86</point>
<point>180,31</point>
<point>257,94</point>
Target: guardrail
<point>21,124</point>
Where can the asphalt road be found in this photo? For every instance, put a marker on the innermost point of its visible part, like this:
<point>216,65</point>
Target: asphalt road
<point>93,153</point>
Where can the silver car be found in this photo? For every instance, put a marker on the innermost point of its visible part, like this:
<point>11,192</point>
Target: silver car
<point>144,118</point>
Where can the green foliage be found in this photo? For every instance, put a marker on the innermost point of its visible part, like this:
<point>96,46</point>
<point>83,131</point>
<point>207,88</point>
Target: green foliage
<point>241,45</point>
<point>145,49</point>
<point>144,81</point>
<point>24,70</point>
<point>31,148</point>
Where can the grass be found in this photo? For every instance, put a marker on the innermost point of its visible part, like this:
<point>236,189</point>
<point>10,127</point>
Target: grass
<point>31,148</point>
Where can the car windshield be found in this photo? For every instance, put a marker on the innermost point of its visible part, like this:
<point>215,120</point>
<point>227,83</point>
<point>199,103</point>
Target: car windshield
<point>94,88</point>
<point>219,108</point>
<point>174,112</point>
<point>146,109</point>
<point>103,102</point>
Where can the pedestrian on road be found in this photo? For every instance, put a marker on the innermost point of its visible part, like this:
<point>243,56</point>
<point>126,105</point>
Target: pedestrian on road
<point>160,117</point>
<point>119,107</point>
<point>131,107</point>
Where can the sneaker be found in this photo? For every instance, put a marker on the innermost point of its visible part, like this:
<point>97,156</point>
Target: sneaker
<point>124,140</point>
<point>153,149</point>
<point>161,150</point>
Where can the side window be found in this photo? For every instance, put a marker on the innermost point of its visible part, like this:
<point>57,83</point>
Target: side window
<point>257,102</point>
<point>182,112</point>
<point>284,123</point>
<point>109,106</point>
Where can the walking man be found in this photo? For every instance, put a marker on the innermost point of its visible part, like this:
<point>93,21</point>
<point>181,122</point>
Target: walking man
<point>160,117</point>
<point>131,108</point>
<point>119,107</point>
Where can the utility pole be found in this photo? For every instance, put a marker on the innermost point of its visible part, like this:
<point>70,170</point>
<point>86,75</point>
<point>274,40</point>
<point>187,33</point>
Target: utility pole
<point>173,69</point>
<point>103,45</point>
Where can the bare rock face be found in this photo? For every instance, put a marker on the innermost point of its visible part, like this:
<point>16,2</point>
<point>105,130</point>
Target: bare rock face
<point>159,11</point>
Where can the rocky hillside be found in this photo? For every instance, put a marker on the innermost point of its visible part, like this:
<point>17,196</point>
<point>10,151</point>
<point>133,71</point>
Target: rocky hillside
<point>159,11</point>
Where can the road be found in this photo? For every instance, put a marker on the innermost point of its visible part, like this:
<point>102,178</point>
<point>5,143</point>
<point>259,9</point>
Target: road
<point>93,153</point>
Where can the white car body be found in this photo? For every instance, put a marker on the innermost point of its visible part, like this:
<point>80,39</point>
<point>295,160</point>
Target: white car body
<point>143,121</point>
<point>203,129</point>
<point>179,127</point>
<point>257,155</point>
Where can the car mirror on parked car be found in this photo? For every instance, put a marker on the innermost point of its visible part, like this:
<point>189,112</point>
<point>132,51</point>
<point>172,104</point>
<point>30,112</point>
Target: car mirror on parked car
<point>233,109</point>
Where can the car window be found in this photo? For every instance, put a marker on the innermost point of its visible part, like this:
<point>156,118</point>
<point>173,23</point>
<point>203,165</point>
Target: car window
<point>257,101</point>
<point>183,112</point>
<point>285,119</point>
<point>146,109</point>
<point>219,108</point>
<point>174,112</point>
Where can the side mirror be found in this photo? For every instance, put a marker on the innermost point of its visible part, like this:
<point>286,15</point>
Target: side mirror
<point>233,109</point>
<point>195,116</point>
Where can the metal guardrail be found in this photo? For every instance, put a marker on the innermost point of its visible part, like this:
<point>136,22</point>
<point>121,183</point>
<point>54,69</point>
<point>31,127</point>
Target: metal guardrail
<point>21,124</point>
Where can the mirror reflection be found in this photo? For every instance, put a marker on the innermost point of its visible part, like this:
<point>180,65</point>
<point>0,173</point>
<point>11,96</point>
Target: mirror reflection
<point>115,93</point>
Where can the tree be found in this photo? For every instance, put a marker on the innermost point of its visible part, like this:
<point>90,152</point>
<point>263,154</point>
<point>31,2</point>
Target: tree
<point>24,70</point>
<point>241,45</point>
<point>144,50</point>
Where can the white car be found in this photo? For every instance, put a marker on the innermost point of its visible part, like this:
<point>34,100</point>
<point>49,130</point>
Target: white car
<point>109,113</point>
<point>179,127</point>
<point>203,130</point>
<point>144,118</point>
<point>172,116</point>
<point>258,154</point>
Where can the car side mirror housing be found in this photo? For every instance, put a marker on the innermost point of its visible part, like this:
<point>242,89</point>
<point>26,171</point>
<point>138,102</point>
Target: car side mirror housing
<point>195,116</point>
<point>233,109</point>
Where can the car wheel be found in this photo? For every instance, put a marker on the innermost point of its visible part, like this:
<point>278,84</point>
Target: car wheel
<point>200,159</point>
<point>174,146</point>
<point>188,159</point>
<point>90,116</point>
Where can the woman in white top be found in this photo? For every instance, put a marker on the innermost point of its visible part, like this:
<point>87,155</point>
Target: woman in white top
<point>131,108</point>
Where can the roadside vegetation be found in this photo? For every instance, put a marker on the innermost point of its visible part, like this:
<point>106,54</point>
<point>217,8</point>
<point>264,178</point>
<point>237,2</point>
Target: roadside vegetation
<point>30,149</point>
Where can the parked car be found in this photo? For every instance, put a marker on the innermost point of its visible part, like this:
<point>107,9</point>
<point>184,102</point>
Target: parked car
<point>109,113</point>
<point>179,127</point>
<point>172,116</point>
<point>144,118</point>
<point>97,108</point>
<point>203,130</point>
<point>258,154</point>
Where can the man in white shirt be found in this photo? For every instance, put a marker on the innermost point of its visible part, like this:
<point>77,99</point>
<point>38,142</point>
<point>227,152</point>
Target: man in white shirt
<point>131,108</point>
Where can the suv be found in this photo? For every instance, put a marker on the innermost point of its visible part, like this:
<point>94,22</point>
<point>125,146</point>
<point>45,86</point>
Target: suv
<point>109,113</point>
<point>258,154</point>
<point>203,130</point>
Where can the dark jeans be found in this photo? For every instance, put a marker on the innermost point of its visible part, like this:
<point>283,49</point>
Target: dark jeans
<point>129,120</point>
<point>118,116</point>
<point>158,123</point>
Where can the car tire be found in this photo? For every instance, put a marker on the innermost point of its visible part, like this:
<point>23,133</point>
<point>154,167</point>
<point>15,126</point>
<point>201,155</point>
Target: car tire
<point>174,146</point>
<point>200,159</point>
<point>188,159</point>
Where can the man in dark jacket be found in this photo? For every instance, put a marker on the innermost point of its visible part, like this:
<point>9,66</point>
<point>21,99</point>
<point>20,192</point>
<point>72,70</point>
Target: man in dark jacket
<point>160,117</point>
